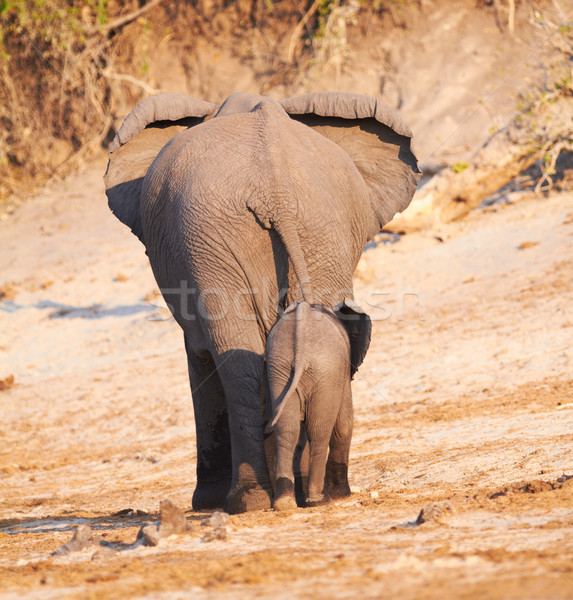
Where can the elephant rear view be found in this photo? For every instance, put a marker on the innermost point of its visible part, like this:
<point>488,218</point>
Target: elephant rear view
<point>308,356</point>
<point>244,208</point>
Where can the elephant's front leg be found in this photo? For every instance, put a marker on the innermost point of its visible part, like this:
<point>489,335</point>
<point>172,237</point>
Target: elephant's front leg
<point>241,372</point>
<point>212,428</point>
<point>336,478</point>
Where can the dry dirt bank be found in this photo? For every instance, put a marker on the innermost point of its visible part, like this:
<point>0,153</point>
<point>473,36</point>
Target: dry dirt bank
<point>462,400</point>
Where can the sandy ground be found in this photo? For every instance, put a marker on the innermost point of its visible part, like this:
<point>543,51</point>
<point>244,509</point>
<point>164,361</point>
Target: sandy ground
<point>463,403</point>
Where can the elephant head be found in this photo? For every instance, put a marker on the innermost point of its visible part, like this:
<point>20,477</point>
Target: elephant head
<point>372,134</point>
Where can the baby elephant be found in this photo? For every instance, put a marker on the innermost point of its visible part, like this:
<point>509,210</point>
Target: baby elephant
<point>308,364</point>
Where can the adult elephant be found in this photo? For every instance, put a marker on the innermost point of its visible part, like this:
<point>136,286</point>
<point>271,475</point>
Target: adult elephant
<point>244,208</point>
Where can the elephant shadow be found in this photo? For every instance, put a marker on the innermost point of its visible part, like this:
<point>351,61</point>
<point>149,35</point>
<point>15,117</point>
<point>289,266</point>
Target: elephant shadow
<point>94,311</point>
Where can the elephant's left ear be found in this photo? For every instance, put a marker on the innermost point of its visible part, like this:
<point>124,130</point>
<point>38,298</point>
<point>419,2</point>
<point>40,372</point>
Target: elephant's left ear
<point>375,137</point>
<point>358,327</point>
<point>145,131</point>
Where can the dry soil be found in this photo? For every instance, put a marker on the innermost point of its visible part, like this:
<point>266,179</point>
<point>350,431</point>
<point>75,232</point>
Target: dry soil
<point>463,408</point>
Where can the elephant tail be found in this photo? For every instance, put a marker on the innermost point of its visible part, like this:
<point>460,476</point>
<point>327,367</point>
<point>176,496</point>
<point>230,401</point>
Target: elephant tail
<point>298,365</point>
<point>289,236</point>
<point>285,226</point>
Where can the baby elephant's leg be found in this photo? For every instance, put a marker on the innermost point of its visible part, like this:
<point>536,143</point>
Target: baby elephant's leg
<point>322,413</point>
<point>318,455</point>
<point>336,479</point>
<point>286,435</point>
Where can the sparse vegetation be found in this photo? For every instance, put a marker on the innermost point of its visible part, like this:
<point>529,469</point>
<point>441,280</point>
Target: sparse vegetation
<point>52,93</point>
<point>459,167</point>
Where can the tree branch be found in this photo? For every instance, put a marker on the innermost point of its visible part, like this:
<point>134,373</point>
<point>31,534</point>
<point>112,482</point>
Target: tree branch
<point>124,77</point>
<point>121,21</point>
<point>511,17</point>
<point>295,36</point>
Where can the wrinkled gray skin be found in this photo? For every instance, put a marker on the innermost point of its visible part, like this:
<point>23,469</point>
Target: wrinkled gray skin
<point>308,366</point>
<point>243,209</point>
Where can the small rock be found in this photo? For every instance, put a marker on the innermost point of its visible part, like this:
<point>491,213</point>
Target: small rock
<point>150,535</point>
<point>7,292</point>
<point>124,512</point>
<point>217,533</point>
<point>434,513</point>
<point>6,383</point>
<point>217,519</point>
<point>172,520</point>
<point>82,539</point>
<point>102,553</point>
<point>534,487</point>
<point>355,489</point>
<point>374,494</point>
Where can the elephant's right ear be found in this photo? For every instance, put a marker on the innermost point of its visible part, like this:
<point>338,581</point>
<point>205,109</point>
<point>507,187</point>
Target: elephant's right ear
<point>375,138</point>
<point>359,329</point>
<point>147,128</point>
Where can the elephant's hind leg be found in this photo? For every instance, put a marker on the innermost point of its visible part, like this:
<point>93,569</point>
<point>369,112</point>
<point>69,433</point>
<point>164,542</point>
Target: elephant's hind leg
<point>336,478</point>
<point>241,372</point>
<point>323,417</point>
<point>318,456</point>
<point>212,428</point>
<point>287,432</point>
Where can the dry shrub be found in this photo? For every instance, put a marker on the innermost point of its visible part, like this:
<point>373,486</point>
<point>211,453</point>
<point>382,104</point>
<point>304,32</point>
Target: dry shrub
<point>56,94</point>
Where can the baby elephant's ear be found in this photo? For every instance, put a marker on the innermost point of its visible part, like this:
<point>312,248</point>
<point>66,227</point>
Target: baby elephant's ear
<point>358,327</point>
<point>376,139</point>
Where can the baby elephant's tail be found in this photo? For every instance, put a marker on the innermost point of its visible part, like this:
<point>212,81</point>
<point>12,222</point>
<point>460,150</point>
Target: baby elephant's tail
<point>302,315</point>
